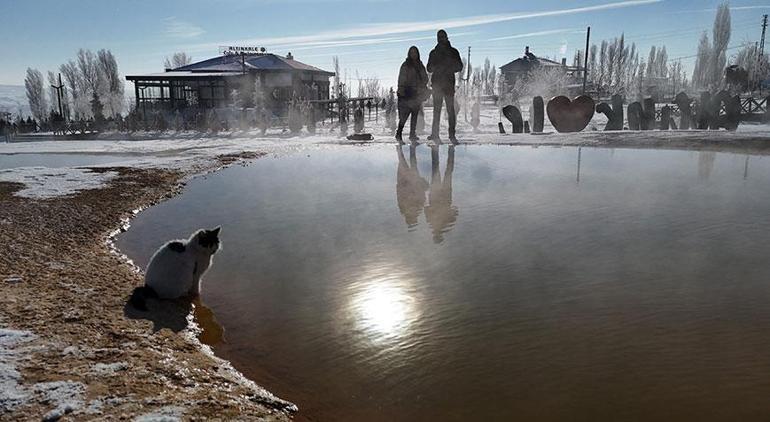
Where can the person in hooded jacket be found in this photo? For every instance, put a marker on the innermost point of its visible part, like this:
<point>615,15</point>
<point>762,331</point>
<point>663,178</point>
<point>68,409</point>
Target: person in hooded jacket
<point>412,91</point>
<point>444,61</point>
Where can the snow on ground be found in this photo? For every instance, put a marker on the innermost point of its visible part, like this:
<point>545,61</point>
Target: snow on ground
<point>65,396</point>
<point>62,396</point>
<point>12,394</point>
<point>44,182</point>
<point>165,414</point>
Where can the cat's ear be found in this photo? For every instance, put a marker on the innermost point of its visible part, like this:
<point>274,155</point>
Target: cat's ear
<point>215,232</point>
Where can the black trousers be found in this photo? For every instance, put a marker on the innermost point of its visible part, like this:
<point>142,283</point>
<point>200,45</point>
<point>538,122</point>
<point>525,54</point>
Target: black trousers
<point>407,109</point>
<point>440,96</point>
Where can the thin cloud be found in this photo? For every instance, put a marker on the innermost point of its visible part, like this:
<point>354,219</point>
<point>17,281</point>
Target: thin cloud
<point>535,34</point>
<point>361,42</point>
<point>732,8</point>
<point>394,28</point>
<point>176,28</point>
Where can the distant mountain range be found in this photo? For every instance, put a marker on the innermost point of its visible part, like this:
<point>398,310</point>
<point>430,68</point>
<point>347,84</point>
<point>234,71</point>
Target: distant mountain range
<point>13,99</point>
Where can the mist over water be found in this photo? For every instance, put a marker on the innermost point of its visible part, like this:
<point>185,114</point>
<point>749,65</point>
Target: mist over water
<point>548,284</point>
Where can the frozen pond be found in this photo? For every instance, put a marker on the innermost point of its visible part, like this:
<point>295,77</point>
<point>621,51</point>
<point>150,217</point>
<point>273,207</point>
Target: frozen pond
<point>489,282</point>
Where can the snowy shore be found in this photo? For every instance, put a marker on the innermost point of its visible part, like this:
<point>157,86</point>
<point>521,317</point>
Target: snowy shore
<point>68,346</point>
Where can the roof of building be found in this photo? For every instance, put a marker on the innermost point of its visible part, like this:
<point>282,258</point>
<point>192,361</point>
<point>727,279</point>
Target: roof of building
<point>527,62</point>
<point>231,63</point>
<point>174,74</point>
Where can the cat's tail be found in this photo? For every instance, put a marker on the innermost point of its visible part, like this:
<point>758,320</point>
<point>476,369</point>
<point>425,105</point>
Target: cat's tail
<point>140,295</point>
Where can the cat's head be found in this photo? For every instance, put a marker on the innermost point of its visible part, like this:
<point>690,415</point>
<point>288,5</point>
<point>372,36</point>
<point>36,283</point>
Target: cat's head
<point>208,239</point>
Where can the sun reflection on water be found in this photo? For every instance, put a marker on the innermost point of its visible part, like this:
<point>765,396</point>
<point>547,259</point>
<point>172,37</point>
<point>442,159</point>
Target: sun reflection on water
<point>383,306</point>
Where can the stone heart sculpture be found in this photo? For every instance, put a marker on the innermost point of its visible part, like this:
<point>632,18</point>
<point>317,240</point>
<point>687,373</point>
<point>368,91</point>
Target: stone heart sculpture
<point>570,116</point>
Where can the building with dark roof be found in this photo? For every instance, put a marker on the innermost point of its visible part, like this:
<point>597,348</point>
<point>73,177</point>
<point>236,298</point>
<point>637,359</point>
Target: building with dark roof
<point>520,67</point>
<point>210,83</point>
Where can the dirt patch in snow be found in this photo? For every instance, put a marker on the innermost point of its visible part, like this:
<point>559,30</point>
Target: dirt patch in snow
<point>66,348</point>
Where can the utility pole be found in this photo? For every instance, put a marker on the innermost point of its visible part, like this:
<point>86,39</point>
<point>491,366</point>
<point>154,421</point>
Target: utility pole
<point>764,30</point>
<point>762,51</point>
<point>59,94</point>
<point>585,60</point>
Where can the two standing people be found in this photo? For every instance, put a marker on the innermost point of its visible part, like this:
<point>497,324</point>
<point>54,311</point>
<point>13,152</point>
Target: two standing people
<point>444,61</point>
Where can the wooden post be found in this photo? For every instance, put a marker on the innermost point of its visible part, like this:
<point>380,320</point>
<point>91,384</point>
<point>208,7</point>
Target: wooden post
<point>136,94</point>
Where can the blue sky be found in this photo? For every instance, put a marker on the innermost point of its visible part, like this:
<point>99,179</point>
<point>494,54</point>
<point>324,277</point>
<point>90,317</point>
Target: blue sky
<point>370,37</point>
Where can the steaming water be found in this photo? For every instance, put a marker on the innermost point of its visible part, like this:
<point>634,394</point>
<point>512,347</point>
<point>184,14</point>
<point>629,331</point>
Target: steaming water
<point>531,284</point>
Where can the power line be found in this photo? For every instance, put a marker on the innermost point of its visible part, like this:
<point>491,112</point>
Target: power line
<point>695,55</point>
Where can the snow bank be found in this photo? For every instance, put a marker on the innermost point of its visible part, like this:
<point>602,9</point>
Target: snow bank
<point>12,394</point>
<point>44,182</point>
<point>63,396</point>
<point>164,414</point>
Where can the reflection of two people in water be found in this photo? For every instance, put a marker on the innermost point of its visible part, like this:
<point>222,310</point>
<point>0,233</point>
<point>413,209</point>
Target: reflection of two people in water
<point>411,188</point>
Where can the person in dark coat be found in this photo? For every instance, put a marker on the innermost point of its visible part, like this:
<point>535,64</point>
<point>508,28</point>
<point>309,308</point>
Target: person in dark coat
<point>444,61</point>
<point>412,91</point>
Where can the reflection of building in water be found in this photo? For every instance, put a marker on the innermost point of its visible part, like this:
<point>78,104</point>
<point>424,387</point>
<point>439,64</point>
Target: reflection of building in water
<point>706,164</point>
<point>440,213</point>
<point>410,187</point>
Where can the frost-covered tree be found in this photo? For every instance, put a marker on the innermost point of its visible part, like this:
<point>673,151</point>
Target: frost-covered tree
<point>36,94</point>
<point>93,73</point>
<point>112,86</point>
<point>757,67</point>
<point>603,63</point>
<point>97,108</point>
<point>488,77</point>
<point>712,56</point>
<point>611,53</point>
<point>639,86</point>
<point>177,60</point>
<point>657,62</point>
<point>89,71</point>
<point>700,76</point>
<point>721,38</point>
<point>678,78</point>
<point>75,86</point>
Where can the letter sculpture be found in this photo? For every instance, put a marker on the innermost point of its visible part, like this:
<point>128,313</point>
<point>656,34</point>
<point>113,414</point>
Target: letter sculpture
<point>648,114</point>
<point>683,102</point>
<point>635,116</point>
<point>513,115</point>
<point>665,118</point>
<point>537,115</point>
<point>614,113</point>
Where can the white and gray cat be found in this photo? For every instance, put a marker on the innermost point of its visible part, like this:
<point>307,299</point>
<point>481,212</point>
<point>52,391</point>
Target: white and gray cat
<point>175,270</point>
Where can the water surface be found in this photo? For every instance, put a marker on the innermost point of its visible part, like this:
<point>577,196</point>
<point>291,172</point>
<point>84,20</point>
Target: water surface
<point>489,282</point>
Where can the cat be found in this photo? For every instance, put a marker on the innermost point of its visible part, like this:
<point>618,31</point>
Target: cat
<point>175,270</point>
